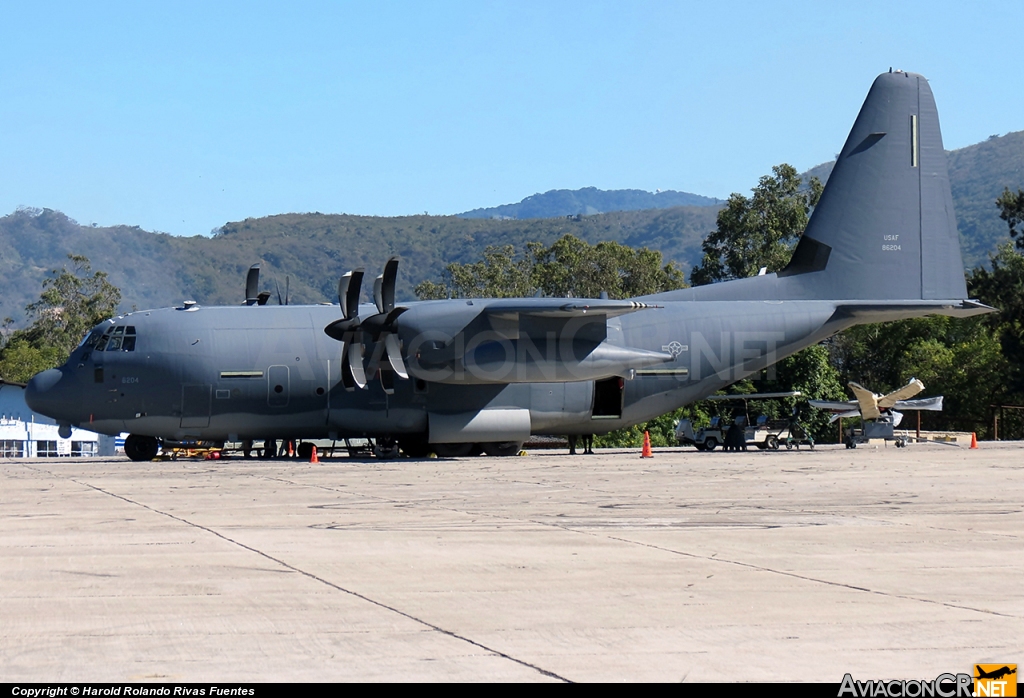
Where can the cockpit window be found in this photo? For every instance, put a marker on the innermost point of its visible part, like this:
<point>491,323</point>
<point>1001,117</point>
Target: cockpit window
<point>90,339</point>
<point>120,338</point>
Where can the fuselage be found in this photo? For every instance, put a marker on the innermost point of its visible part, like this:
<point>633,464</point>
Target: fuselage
<point>216,373</point>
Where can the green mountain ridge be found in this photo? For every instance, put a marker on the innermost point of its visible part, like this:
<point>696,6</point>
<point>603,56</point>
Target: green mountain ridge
<point>312,250</point>
<point>590,201</point>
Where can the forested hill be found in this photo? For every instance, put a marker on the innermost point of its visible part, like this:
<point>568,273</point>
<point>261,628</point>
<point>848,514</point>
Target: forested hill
<point>589,201</point>
<point>156,270</point>
<point>977,175</point>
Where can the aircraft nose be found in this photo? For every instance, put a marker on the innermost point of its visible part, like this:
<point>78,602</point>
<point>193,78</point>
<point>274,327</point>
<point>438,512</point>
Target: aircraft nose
<point>41,392</point>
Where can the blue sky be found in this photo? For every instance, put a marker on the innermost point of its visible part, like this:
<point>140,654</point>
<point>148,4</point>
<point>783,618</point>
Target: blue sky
<point>179,117</point>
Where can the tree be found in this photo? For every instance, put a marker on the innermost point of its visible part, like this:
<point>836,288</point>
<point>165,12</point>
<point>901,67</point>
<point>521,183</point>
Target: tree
<point>72,302</point>
<point>500,274</point>
<point>760,231</point>
<point>1011,210</point>
<point>19,360</point>
<point>570,267</point>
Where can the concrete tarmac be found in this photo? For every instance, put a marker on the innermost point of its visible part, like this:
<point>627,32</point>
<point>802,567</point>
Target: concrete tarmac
<point>777,566</point>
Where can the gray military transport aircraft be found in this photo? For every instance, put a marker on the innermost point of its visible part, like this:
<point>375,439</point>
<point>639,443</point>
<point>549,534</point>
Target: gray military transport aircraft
<point>454,376</point>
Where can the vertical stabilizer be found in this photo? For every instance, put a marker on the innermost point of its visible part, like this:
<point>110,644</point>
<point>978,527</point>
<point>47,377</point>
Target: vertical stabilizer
<point>885,228</point>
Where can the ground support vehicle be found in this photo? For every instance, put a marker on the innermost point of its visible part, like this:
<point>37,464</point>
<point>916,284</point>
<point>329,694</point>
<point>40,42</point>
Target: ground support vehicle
<point>765,435</point>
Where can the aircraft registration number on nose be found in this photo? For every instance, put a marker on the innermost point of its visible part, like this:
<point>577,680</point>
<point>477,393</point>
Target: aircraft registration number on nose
<point>129,379</point>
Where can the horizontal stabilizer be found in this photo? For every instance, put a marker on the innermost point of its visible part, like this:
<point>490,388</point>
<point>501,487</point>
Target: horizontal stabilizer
<point>930,404</point>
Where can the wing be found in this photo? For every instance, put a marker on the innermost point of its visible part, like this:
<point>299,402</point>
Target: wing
<point>867,400</point>
<point>909,390</point>
<point>834,406</point>
<point>563,307</point>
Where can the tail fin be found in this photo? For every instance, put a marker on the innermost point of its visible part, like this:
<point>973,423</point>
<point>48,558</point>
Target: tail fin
<point>885,228</point>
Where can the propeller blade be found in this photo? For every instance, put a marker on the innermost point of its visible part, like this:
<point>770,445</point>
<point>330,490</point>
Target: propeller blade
<point>378,297</point>
<point>394,352</point>
<point>252,285</point>
<point>287,283</point>
<point>262,298</point>
<point>278,287</point>
<point>387,291</point>
<point>347,380</point>
<point>354,354</point>
<point>387,381</point>
<point>339,329</point>
<point>348,293</point>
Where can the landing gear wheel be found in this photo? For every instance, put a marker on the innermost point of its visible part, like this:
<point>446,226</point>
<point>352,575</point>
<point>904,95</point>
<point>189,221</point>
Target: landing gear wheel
<point>503,448</point>
<point>415,448</point>
<point>305,450</point>
<point>710,444</point>
<point>141,448</point>
<point>452,450</point>
<point>385,448</point>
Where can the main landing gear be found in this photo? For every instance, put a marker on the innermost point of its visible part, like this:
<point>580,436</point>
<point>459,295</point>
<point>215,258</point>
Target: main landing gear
<point>141,448</point>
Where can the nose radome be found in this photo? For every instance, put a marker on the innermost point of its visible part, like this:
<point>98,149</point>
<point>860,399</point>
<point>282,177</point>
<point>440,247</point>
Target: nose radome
<point>39,392</point>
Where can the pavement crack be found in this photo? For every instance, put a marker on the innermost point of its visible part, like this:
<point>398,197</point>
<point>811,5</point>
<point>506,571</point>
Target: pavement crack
<point>737,563</point>
<point>803,577</point>
<point>337,587</point>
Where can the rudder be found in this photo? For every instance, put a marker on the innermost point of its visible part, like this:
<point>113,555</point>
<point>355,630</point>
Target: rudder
<point>884,227</point>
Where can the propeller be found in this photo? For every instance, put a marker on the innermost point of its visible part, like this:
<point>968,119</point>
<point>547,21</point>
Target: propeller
<point>348,331</point>
<point>253,295</point>
<point>252,285</point>
<point>382,325</point>
<point>386,357</point>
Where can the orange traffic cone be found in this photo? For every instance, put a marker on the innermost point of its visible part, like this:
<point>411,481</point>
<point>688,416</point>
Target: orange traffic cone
<point>313,458</point>
<point>291,450</point>
<point>974,440</point>
<point>647,453</point>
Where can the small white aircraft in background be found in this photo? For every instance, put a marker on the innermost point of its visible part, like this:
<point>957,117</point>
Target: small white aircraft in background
<point>879,412</point>
<point>869,405</point>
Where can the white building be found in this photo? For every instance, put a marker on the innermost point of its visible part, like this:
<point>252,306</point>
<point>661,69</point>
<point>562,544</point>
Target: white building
<point>28,434</point>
